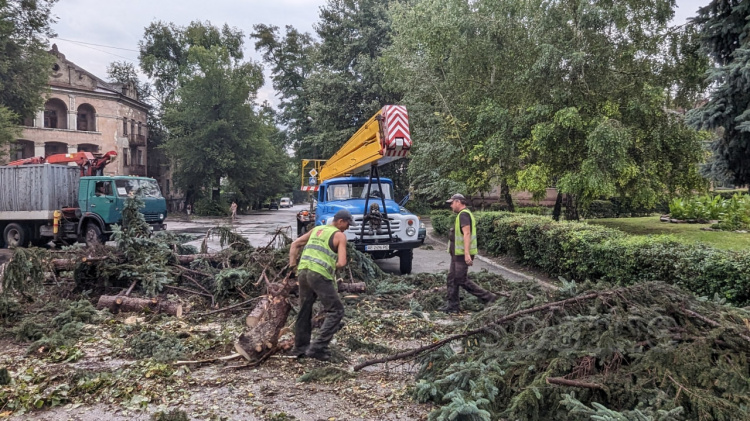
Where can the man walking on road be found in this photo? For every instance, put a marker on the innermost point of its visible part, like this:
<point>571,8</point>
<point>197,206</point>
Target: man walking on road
<point>462,248</point>
<point>233,209</point>
<point>324,251</point>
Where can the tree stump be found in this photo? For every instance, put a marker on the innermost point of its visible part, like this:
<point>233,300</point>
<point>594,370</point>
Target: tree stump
<point>265,323</point>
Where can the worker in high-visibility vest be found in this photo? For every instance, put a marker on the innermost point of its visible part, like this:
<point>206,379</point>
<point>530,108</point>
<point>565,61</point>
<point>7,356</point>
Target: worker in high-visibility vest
<point>462,248</point>
<point>323,251</point>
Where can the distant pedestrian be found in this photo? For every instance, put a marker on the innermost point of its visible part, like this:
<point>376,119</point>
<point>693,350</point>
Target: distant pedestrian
<point>189,209</point>
<point>462,248</point>
<point>233,209</point>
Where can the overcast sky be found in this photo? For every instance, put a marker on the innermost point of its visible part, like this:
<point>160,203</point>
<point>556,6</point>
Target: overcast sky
<point>121,23</point>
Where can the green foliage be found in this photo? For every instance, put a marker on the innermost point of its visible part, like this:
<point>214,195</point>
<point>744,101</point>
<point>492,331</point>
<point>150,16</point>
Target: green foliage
<point>733,213</point>
<point>722,25</point>
<point>622,343</point>
<point>325,375</point>
<point>9,129</point>
<point>161,346</point>
<point>24,61</point>
<point>10,309</point>
<point>207,207</point>
<point>24,273</point>
<point>590,252</point>
<point>146,258</point>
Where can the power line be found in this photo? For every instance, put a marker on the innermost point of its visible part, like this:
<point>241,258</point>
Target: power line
<point>98,45</point>
<point>84,44</point>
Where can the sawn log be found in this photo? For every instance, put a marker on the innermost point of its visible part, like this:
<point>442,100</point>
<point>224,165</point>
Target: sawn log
<point>265,322</point>
<point>117,303</point>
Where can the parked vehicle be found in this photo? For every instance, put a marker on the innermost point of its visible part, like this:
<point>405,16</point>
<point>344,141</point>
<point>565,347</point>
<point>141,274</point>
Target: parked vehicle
<point>273,205</point>
<point>43,203</point>
<point>381,226</point>
<point>285,202</point>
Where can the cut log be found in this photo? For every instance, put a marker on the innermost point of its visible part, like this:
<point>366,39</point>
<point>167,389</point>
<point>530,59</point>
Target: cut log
<point>353,287</point>
<point>265,323</point>
<point>117,303</point>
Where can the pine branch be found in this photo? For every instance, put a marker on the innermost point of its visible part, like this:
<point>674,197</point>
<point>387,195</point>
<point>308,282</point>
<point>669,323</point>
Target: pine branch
<point>573,383</point>
<point>504,319</point>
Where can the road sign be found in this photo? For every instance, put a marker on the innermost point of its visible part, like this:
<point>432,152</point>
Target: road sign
<point>313,172</point>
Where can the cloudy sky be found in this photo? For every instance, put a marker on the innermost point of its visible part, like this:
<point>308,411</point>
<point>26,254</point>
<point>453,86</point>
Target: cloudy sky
<point>117,26</point>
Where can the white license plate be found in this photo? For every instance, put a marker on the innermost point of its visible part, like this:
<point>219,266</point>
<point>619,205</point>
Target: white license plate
<point>378,247</point>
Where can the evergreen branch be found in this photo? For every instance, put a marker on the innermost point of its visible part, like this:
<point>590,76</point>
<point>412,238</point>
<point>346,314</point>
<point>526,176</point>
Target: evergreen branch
<point>710,322</point>
<point>485,329</point>
<point>573,383</point>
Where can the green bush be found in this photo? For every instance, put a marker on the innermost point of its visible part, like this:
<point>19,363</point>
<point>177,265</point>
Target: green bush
<point>442,220</point>
<point>534,210</point>
<point>208,207</point>
<point>582,252</point>
<point>601,209</point>
<point>733,213</point>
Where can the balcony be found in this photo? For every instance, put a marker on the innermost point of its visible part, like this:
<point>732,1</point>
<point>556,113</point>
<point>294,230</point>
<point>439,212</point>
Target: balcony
<point>137,170</point>
<point>137,139</point>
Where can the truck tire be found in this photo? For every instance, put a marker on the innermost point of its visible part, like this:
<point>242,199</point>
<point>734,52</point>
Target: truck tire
<point>14,235</point>
<point>405,258</point>
<point>92,235</point>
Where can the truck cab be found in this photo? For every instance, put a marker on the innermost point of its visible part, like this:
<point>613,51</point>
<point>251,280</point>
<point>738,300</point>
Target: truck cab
<point>101,200</point>
<point>370,230</point>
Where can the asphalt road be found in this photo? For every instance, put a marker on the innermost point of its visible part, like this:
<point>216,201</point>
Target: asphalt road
<point>259,228</point>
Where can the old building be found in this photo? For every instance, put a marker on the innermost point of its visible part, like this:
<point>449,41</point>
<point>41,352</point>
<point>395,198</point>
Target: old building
<point>85,113</point>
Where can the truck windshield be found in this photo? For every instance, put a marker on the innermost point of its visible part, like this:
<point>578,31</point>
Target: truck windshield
<point>356,191</point>
<point>148,188</point>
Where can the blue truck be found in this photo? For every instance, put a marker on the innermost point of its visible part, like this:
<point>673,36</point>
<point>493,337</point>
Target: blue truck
<point>382,227</point>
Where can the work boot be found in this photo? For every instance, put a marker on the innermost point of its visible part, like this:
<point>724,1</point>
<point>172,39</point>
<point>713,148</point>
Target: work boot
<point>298,352</point>
<point>319,354</point>
<point>449,309</point>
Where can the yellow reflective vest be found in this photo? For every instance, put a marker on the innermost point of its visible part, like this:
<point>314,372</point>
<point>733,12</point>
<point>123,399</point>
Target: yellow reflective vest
<point>317,256</point>
<point>459,236</point>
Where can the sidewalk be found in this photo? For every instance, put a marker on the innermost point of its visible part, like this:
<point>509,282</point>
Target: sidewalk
<point>514,275</point>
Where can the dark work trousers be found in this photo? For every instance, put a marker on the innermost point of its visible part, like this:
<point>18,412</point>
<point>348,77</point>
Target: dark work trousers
<point>312,286</point>
<point>458,276</point>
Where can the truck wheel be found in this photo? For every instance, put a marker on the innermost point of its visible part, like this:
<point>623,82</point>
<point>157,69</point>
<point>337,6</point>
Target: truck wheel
<point>93,235</point>
<point>405,258</point>
<point>14,235</point>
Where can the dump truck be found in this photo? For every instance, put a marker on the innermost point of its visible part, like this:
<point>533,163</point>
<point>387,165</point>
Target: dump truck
<point>42,202</point>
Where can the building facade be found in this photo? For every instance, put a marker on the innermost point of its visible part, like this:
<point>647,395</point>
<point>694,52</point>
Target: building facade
<point>85,113</point>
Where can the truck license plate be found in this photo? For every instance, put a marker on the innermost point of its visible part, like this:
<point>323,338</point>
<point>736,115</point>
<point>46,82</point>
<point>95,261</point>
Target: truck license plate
<point>378,247</point>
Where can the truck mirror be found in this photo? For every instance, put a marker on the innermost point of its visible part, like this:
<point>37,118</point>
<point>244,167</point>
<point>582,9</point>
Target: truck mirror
<point>404,200</point>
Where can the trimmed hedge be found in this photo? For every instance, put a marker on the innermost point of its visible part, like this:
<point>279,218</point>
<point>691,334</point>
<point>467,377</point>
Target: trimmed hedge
<point>584,252</point>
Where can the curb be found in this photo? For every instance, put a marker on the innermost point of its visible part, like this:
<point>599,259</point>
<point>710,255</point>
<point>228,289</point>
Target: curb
<point>499,266</point>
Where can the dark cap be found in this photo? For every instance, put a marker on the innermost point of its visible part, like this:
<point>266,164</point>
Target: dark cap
<point>457,196</point>
<point>343,214</point>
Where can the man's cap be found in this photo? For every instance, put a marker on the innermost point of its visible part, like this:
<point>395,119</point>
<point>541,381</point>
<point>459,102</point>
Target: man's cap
<point>343,214</point>
<point>457,196</point>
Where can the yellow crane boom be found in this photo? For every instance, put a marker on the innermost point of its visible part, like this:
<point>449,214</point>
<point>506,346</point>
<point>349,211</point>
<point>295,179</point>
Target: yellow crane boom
<point>382,139</point>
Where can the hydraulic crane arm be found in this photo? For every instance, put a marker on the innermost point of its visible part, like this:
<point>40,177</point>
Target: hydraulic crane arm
<point>383,139</point>
<point>86,161</point>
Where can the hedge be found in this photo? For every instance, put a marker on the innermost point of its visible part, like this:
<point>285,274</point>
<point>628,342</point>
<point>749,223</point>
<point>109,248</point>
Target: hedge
<point>584,252</point>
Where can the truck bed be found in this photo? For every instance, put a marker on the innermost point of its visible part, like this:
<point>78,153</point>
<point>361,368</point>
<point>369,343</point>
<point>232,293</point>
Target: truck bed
<point>37,190</point>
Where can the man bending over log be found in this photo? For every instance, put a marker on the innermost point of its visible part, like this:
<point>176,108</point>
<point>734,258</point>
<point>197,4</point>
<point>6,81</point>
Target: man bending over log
<point>324,251</point>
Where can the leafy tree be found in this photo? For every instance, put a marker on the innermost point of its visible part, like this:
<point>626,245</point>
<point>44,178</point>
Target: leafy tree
<point>24,61</point>
<point>214,131</point>
<point>724,26</point>
<point>292,60</point>
<point>534,94</point>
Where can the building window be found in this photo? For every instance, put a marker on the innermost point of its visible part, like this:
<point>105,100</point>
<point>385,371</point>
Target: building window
<point>139,157</point>
<point>132,127</point>
<point>125,153</point>
<point>86,120</point>
<point>55,114</point>
<point>50,119</point>
<point>124,126</point>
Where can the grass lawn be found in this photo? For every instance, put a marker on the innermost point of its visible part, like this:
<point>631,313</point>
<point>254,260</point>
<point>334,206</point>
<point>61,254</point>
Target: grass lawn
<point>690,233</point>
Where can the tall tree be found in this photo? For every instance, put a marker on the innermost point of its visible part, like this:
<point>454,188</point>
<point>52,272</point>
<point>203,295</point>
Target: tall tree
<point>24,61</point>
<point>207,91</point>
<point>724,26</point>
<point>574,93</point>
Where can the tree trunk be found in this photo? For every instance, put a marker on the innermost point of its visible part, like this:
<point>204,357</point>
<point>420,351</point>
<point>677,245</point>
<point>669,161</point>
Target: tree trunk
<point>571,209</point>
<point>265,322</point>
<point>117,303</point>
<point>352,287</point>
<point>558,207</point>
<point>505,193</point>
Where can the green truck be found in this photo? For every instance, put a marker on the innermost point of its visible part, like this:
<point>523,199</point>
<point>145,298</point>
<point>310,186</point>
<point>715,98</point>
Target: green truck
<point>45,202</point>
